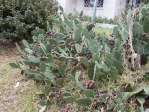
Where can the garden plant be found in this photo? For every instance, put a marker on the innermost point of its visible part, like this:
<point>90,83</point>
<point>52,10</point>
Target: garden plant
<point>71,62</point>
<point>100,19</point>
<point>18,18</point>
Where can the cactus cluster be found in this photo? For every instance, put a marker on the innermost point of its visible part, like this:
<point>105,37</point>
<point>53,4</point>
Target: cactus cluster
<point>134,33</point>
<point>70,51</point>
<point>60,56</point>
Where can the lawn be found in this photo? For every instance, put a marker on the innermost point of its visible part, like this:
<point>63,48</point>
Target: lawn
<point>22,98</point>
<point>107,31</point>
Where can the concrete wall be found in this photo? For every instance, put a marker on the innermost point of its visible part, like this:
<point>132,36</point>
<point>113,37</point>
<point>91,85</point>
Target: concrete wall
<point>110,9</point>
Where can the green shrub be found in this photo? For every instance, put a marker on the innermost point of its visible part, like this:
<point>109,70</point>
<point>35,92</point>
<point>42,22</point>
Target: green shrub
<point>144,1</point>
<point>105,20</point>
<point>18,18</point>
<point>99,20</point>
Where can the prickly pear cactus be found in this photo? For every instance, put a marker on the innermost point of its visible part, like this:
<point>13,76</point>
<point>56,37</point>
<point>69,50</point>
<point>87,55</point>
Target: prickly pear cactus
<point>135,36</point>
<point>70,57</point>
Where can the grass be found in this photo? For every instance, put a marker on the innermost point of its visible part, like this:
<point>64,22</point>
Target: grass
<point>22,98</point>
<point>107,31</point>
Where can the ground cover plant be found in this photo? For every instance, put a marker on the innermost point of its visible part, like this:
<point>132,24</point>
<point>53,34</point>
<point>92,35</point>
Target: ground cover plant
<point>83,71</point>
<point>18,18</point>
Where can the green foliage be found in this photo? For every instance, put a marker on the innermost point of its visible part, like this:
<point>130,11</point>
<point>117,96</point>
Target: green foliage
<point>69,60</point>
<point>135,34</point>
<point>105,20</point>
<point>144,1</point>
<point>18,18</point>
<point>64,53</point>
<point>99,19</point>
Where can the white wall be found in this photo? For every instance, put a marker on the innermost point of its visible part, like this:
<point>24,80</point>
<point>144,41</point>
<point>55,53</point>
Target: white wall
<point>120,7</point>
<point>106,11</point>
<point>62,3</point>
<point>70,5</point>
<point>110,9</point>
